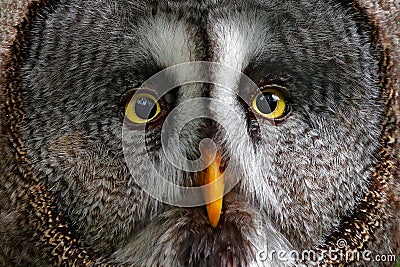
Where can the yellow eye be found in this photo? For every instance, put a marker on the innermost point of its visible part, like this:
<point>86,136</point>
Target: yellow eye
<point>270,103</point>
<point>142,108</point>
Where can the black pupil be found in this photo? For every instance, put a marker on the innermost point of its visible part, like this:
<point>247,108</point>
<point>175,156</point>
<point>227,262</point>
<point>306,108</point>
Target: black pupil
<point>145,108</point>
<point>267,102</point>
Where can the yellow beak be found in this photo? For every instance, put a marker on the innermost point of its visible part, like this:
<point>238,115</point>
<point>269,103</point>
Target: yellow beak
<point>214,191</point>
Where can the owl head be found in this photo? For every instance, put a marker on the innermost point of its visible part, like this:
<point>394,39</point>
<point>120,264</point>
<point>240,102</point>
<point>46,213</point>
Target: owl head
<point>174,133</point>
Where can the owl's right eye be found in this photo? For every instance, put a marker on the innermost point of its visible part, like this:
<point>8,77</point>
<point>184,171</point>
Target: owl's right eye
<point>142,108</point>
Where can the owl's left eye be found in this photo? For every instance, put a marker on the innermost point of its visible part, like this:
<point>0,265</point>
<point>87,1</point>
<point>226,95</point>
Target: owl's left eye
<point>270,103</point>
<point>142,108</point>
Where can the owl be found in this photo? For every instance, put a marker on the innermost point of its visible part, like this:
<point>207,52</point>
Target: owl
<point>200,133</point>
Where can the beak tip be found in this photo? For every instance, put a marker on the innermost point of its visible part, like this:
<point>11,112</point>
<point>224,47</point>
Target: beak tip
<point>214,224</point>
<point>214,212</point>
<point>214,191</point>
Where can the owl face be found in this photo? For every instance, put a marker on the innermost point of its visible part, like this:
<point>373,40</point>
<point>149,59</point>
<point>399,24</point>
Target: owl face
<point>299,142</point>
